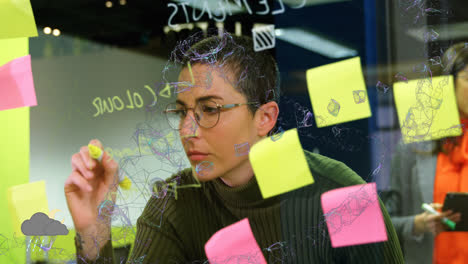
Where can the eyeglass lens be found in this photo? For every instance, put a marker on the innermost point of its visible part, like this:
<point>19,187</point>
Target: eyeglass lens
<point>206,114</point>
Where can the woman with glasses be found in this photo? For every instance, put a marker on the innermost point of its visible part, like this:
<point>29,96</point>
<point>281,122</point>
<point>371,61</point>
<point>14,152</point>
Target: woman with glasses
<point>235,106</point>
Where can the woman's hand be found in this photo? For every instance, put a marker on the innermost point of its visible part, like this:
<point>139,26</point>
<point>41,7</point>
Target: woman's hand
<point>427,222</point>
<point>89,184</point>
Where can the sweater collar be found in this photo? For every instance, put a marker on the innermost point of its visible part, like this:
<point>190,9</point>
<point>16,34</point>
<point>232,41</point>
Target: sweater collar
<point>245,195</point>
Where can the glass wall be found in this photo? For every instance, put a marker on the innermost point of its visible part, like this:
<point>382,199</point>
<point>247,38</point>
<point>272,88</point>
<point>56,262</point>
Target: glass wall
<point>103,70</point>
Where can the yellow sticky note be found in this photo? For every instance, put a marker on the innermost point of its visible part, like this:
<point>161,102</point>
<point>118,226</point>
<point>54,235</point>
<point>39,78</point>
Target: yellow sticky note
<point>280,166</point>
<point>14,152</point>
<point>12,49</point>
<point>427,110</point>
<point>24,201</point>
<point>338,92</point>
<point>17,19</point>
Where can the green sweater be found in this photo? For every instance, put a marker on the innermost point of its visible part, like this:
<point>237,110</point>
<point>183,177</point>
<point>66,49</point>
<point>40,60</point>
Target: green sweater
<point>289,228</point>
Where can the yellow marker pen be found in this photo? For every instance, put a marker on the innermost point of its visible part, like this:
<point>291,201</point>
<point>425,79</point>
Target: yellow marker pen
<point>96,153</point>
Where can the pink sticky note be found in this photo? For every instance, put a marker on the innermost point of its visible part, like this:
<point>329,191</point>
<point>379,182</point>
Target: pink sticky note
<point>353,215</point>
<point>16,84</point>
<point>234,244</point>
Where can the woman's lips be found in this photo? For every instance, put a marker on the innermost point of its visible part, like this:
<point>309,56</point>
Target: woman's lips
<point>197,157</point>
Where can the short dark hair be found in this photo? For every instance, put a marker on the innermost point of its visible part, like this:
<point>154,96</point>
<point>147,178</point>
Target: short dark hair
<point>255,74</point>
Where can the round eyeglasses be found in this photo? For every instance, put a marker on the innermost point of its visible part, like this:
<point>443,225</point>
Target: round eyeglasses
<point>206,113</point>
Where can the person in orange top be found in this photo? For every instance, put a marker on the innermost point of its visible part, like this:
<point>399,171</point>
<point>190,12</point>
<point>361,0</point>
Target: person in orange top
<point>452,164</point>
<point>424,172</point>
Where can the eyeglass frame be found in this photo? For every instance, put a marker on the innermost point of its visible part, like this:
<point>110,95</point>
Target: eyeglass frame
<point>218,106</point>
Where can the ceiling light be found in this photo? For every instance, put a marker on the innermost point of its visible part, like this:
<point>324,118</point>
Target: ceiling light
<point>315,43</point>
<point>56,32</point>
<point>109,4</point>
<point>238,28</point>
<point>47,30</point>
<point>444,32</point>
<point>123,2</point>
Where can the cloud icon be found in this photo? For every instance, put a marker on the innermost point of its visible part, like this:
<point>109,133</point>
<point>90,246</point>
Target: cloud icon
<point>41,225</point>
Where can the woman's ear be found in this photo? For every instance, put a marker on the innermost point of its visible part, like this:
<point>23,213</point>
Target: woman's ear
<point>266,117</point>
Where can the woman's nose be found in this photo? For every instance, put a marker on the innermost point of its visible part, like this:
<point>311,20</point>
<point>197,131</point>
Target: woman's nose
<point>189,127</point>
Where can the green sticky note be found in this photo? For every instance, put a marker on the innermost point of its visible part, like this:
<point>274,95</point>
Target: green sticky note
<point>280,166</point>
<point>338,92</point>
<point>25,200</point>
<point>427,110</point>
<point>17,19</point>
<point>167,139</point>
<point>171,138</point>
<point>13,48</point>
